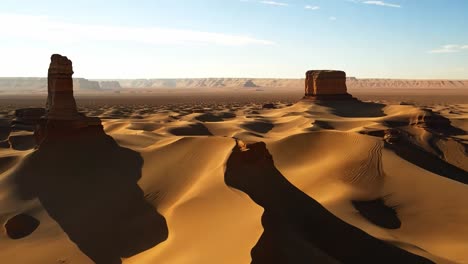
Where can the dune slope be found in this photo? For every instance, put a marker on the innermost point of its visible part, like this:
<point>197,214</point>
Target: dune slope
<point>332,182</point>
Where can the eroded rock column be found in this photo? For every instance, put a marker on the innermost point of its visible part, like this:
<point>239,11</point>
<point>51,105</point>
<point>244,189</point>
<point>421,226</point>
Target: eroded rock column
<point>62,121</point>
<point>61,104</point>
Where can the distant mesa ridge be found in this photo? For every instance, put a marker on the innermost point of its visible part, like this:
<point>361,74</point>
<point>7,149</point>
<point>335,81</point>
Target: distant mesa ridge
<point>250,84</point>
<point>82,85</point>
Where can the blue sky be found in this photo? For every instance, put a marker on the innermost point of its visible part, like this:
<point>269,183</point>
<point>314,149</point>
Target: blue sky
<point>236,38</point>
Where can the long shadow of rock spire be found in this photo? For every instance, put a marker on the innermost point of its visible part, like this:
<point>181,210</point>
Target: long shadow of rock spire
<point>86,182</point>
<point>298,229</point>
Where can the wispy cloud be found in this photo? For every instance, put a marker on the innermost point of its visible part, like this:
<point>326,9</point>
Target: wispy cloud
<point>274,3</point>
<point>381,3</point>
<point>312,7</point>
<point>43,28</point>
<point>450,48</point>
<point>460,69</point>
<point>332,18</point>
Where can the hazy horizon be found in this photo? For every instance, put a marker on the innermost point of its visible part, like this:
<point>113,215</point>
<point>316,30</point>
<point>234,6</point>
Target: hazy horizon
<point>241,77</point>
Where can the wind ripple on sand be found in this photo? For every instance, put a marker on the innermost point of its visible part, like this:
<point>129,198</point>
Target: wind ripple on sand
<point>317,148</point>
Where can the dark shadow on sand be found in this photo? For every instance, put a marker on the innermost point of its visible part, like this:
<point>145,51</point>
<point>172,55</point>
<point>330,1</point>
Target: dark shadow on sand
<point>196,129</point>
<point>354,108</point>
<point>430,162</point>
<point>4,129</point>
<point>262,127</point>
<point>220,117</point>
<point>88,184</point>
<point>378,213</point>
<point>298,229</point>
<point>323,124</point>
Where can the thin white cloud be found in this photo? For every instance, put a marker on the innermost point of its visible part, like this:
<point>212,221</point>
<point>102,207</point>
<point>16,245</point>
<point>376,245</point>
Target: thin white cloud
<point>450,48</point>
<point>381,3</point>
<point>332,18</point>
<point>460,69</point>
<point>312,7</point>
<point>274,3</point>
<point>43,28</point>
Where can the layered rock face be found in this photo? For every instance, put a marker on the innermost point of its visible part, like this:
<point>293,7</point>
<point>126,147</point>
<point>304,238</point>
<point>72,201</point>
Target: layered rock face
<point>62,119</point>
<point>61,104</point>
<point>27,118</point>
<point>323,84</point>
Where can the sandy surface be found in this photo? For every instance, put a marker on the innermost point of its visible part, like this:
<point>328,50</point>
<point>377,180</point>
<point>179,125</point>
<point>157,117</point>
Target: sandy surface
<point>172,185</point>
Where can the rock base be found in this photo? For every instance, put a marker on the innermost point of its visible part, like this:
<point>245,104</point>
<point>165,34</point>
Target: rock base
<point>27,118</point>
<point>61,130</point>
<point>330,97</point>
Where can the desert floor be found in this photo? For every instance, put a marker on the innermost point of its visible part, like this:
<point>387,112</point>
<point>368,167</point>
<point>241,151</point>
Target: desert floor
<point>183,179</point>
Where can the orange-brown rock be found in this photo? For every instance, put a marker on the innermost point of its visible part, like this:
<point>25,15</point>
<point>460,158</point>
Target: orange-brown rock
<point>61,104</point>
<point>27,118</point>
<point>326,84</point>
<point>62,120</point>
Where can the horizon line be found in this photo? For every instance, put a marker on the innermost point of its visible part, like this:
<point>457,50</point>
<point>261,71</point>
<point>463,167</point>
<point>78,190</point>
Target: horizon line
<point>251,78</point>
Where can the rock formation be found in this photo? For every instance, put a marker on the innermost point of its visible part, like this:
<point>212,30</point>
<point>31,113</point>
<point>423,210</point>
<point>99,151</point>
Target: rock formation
<point>83,85</point>
<point>61,104</point>
<point>27,118</point>
<point>15,85</point>
<point>250,84</point>
<point>324,84</point>
<point>62,119</point>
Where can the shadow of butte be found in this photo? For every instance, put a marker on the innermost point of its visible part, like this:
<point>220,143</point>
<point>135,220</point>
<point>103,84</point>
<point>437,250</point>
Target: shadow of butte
<point>293,218</point>
<point>354,108</point>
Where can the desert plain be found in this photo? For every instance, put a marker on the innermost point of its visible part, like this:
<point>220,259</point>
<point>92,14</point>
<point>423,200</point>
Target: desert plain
<point>241,174</point>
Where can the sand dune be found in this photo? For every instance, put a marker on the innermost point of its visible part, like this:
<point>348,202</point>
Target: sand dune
<point>169,184</point>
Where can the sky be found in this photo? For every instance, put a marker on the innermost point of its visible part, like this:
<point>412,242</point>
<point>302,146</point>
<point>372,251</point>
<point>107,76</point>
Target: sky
<point>411,39</point>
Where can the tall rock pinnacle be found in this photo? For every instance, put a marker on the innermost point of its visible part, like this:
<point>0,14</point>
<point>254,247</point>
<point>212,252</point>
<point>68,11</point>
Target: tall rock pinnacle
<point>61,104</point>
<point>62,121</point>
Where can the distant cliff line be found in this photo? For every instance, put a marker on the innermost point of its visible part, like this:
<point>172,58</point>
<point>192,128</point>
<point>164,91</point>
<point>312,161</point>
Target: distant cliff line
<point>39,84</point>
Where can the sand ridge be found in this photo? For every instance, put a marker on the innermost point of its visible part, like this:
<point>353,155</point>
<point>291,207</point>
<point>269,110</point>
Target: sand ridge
<point>331,154</point>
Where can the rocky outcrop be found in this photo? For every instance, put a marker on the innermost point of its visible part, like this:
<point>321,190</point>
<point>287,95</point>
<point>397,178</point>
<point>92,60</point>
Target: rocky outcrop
<point>27,118</point>
<point>62,119</point>
<point>326,84</point>
<point>250,84</point>
<point>61,104</point>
